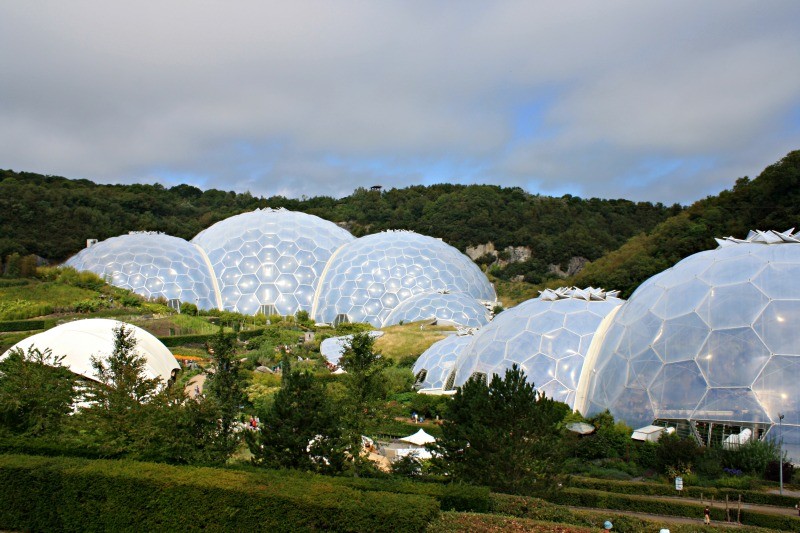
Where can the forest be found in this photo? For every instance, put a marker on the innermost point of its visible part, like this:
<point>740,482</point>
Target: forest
<point>626,242</point>
<point>52,217</point>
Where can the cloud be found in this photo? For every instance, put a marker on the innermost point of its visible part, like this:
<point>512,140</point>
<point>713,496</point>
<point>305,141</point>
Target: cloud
<point>664,101</point>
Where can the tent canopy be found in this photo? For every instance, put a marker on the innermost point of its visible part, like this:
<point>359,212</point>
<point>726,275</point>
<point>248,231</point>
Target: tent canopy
<point>420,438</point>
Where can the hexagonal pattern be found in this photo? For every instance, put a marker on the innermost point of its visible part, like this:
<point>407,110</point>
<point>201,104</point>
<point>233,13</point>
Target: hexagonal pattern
<point>452,308</point>
<point>270,257</point>
<point>725,345</point>
<point>548,339</point>
<point>152,265</point>
<point>396,263</point>
<point>437,362</point>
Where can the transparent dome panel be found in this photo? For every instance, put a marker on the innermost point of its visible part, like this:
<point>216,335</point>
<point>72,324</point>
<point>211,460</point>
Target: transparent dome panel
<point>397,263</point>
<point>452,308</point>
<point>272,257</point>
<point>153,265</point>
<point>438,361</point>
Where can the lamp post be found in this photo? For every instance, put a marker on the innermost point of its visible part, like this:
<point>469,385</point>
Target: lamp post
<point>780,451</point>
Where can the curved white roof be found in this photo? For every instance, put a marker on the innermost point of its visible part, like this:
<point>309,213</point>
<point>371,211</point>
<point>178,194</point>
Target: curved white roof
<point>455,309</point>
<point>715,338</point>
<point>437,362</point>
<point>270,257</point>
<point>80,340</point>
<point>548,337</point>
<point>367,278</point>
<point>152,264</point>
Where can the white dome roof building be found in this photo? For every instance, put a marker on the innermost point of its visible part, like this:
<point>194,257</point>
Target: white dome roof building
<point>270,257</point>
<point>81,340</point>
<point>547,337</point>
<point>435,366</point>
<point>713,340</point>
<point>368,278</point>
<point>152,265</point>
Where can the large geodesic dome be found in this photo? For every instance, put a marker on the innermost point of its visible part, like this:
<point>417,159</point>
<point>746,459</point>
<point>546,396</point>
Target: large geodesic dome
<point>714,339</point>
<point>152,265</point>
<point>547,337</point>
<point>456,309</point>
<point>81,340</point>
<point>369,277</point>
<point>270,257</point>
<point>435,365</point>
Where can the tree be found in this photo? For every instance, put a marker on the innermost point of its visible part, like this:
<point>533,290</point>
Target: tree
<point>364,386</point>
<point>223,387</point>
<point>36,392</point>
<point>300,430</point>
<point>504,435</point>
<point>117,412</point>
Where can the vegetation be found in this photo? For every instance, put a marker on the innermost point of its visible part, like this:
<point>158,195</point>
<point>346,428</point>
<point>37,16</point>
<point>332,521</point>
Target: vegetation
<point>504,435</point>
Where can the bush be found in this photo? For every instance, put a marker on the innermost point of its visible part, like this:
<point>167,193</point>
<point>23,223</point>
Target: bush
<point>180,340</point>
<point>22,325</point>
<point>597,499</point>
<point>68,494</point>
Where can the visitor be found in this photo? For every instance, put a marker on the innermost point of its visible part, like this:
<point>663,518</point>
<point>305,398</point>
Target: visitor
<point>607,525</point>
<point>707,515</point>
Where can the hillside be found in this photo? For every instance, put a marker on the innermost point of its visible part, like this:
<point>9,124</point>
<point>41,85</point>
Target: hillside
<point>52,217</point>
<point>771,201</point>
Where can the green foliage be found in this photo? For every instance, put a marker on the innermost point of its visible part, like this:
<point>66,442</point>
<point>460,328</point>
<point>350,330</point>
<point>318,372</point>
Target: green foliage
<point>752,458</point>
<point>67,494</point>
<point>224,386</point>
<point>575,497</point>
<point>771,201</point>
<point>36,392</point>
<point>675,455</point>
<point>364,387</point>
<point>610,440</point>
<point>504,435</point>
<point>21,325</point>
<point>301,429</point>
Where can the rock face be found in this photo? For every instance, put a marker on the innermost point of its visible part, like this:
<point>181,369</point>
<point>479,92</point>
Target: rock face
<point>574,266</point>
<point>508,255</point>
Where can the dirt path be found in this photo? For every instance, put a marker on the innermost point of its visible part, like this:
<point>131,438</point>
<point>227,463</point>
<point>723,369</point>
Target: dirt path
<point>196,383</point>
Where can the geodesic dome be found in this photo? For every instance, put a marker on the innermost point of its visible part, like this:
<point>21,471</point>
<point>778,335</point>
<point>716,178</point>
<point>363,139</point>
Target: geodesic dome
<point>450,308</point>
<point>369,277</point>
<point>547,337</point>
<point>436,363</point>
<point>715,338</point>
<point>270,257</point>
<point>80,340</point>
<point>332,348</point>
<point>152,265</point>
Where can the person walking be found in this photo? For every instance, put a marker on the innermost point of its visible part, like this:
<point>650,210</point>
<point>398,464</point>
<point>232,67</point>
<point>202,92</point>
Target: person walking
<point>707,516</point>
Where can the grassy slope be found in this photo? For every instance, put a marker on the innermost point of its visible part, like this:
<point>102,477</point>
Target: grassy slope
<point>409,339</point>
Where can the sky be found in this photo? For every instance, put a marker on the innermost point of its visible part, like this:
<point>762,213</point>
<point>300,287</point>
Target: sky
<point>666,101</point>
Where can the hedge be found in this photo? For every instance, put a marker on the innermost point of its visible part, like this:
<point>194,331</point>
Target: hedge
<point>537,509</point>
<point>21,325</point>
<point>70,494</point>
<point>451,496</point>
<point>676,507</point>
<point>660,489</point>
<point>180,340</point>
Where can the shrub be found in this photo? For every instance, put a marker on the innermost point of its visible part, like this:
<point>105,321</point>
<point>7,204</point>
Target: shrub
<point>22,325</point>
<point>68,494</point>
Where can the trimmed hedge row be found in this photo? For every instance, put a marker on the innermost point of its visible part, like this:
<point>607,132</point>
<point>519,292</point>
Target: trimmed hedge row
<point>659,489</point>
<point>644,504</point>
<point>21,325</point>
<point>69,494</point>
<point>451,496</point>
<point>537,509</point>
<point>180,340</point>
<point>202,338</point>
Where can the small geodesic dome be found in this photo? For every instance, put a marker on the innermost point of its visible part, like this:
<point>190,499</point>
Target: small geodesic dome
<point>435,365</point>
<point>153,265</point>
<point>81,340</point>
<point>270,260</point>
<point>455,309</point>
<point>547,337</point>
<point>714,339</point>
<point>369,277</point>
